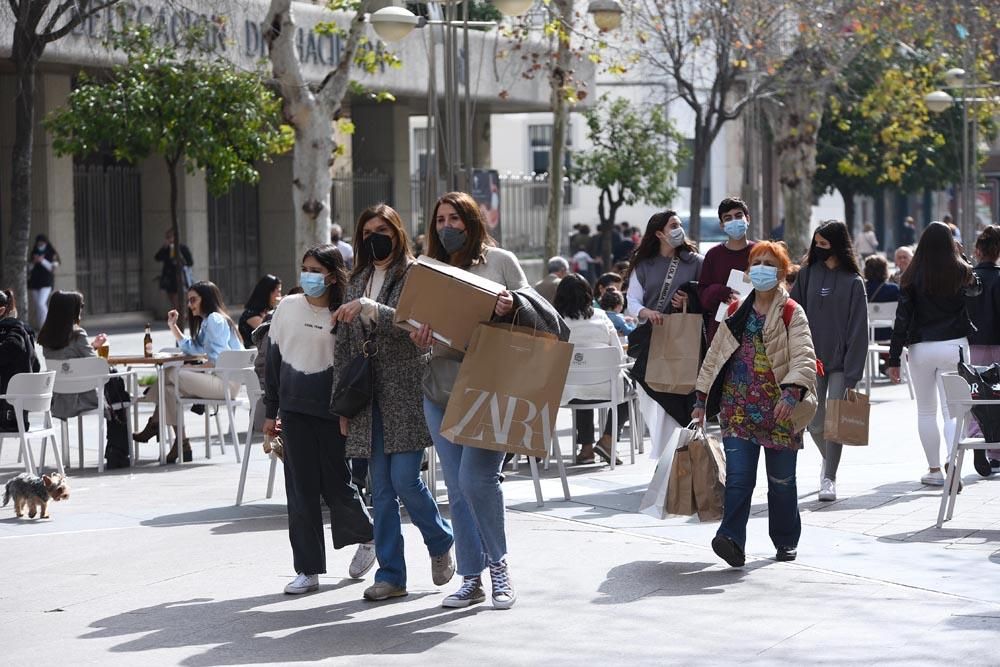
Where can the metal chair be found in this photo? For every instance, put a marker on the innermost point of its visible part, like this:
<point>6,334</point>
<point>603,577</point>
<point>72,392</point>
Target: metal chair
<point>233,367</point>
<point>958,396</point>
<point>32,393</point>
<point>254,392</point>
<point>881,315</point>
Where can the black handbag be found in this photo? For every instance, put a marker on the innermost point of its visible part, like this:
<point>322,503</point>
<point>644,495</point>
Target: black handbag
<point>356,384</point>
<point>984,384</point>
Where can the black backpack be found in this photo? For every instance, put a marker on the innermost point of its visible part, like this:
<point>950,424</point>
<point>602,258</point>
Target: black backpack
<point>116,402</point>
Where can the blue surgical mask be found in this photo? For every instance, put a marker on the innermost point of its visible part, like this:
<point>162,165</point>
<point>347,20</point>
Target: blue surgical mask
<point>764,278</point>
<point>313,284</point>
<point>735,228</point>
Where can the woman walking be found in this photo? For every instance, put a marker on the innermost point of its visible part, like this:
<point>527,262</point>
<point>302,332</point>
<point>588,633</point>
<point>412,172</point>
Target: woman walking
<point>984,343</point>
<point>212,331</point>
<point>933,320</point>
<point>390,431</point>
<point>760,378</point>
<point>831,290</point>
<point>41,278</point>
<point>298,381</point>
<point>62,337</point>
<point>169,254</point>
<point>662,278</point>
<point>458,236</point>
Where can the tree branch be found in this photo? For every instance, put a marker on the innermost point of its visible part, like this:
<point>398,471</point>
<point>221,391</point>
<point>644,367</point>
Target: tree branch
<point>333,89</point>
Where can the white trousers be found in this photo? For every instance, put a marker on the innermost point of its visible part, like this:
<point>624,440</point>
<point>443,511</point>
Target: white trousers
<point>927,362</point>
<point>191,384</point>
<point>39,305</point>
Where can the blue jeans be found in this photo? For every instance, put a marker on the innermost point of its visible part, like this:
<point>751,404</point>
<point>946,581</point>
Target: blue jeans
<point>477,510</point>
<point>784,524</point>
<point>395,478</point>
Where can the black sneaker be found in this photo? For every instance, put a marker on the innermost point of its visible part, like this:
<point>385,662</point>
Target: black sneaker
<point>727,549</point>
<point>786,554</point>
<point>981,463</point>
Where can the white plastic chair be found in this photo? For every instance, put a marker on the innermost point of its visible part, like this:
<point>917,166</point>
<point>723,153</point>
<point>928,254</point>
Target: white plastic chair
<point>958,396</point>
<point>32,393</point>
<point>880,316</point>
<point>254,393</point>
<point>232,367</point>
<point>75,376</point>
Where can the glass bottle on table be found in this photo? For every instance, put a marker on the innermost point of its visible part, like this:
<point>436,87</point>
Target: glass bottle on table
<point>147,343</point>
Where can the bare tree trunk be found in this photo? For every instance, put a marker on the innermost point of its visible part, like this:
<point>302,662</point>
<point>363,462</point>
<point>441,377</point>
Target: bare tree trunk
<point>311,113</point>
<point>178,242</point>
<point>850,212</point>
<point>702,145</point>
<point>560,114</point>
<point>15,274</point>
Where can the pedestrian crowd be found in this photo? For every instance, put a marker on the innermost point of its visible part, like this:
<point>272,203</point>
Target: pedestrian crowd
<point>774,349</point>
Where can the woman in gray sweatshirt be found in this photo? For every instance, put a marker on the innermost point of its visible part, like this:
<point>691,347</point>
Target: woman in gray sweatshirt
<point>831,290</point>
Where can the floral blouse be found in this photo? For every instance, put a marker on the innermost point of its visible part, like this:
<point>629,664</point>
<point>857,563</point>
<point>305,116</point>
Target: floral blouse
<point>750,393</point>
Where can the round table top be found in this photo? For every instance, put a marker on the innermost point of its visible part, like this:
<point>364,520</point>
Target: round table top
<point>157,359</point>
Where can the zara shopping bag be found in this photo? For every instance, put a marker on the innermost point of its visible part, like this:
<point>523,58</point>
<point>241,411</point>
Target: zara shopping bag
<point>674,353</point>
<point>508,388</point>
<point>847,419</point>
<point>654,502</point>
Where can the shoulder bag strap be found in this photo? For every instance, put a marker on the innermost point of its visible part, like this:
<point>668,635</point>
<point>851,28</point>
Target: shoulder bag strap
<point>661,302</point>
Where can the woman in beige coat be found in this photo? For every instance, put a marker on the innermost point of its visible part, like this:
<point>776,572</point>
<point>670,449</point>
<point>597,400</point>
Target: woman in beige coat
<point>760,378</point>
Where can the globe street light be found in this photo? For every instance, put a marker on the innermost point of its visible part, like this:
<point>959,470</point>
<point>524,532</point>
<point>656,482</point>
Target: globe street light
<point>393,24</point>
<point>938,101</point>
<point>513,7</point>
<point>607,14</point>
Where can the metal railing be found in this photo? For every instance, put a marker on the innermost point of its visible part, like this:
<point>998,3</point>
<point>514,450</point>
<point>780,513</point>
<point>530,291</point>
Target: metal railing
<point>350,195</point>
<point>234,241</point>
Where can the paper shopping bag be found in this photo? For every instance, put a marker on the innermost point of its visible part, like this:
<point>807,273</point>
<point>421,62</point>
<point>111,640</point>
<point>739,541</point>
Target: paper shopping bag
<point>674,353</point>
<point>680,491</point>
<point>654,501</point>
<point>708,476</point>
<point>507,392</point>
<point>847,419</point>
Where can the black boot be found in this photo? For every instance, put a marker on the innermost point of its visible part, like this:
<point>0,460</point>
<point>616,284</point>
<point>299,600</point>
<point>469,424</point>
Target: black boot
<point>172,454</point>
<point>150,431</point>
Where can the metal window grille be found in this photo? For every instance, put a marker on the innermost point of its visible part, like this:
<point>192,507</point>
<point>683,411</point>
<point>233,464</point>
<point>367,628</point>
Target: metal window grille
<point>234,241</point>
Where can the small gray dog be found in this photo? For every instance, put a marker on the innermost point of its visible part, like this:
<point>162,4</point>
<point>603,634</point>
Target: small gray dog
<point>31,492</point>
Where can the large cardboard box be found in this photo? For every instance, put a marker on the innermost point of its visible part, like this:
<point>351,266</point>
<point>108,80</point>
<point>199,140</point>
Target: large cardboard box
<point>451,300</point>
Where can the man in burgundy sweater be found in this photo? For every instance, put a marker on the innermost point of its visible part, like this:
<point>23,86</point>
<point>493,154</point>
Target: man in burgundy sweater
<point>734,218</point>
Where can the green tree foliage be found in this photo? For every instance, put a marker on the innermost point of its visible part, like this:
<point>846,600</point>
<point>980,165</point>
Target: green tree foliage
<point>634,158</point>
<point>190,107</point>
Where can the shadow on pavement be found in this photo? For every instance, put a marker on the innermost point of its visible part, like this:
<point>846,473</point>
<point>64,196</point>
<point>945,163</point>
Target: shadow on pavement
<point>257,630</point>
<point>640,579</point>
<point>246,517</point>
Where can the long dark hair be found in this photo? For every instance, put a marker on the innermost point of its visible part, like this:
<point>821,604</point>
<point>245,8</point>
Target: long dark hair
<point>841,246</point>
<point>475,229</point>
<point>988,243</point>
<point>330,258</point>
<point>574,298</point>
<point>65,309</point>
<point>937,267</point>
<point>649,246</point>
<point>8,303</point>
<point>260,297</point>
<point>211,302</point>
<point>401,254</point>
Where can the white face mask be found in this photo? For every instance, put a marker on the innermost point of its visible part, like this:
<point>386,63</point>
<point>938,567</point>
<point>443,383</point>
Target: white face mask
<point>675,237</point>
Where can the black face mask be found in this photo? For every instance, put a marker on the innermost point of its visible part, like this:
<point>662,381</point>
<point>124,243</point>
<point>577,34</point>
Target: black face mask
<point>379,246</point>
<point>822,254</point>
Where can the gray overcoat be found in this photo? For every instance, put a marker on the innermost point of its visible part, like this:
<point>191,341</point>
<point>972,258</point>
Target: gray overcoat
<point>399,368</point>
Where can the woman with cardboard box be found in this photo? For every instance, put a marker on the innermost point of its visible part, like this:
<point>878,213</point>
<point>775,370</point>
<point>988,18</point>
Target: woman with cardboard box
<point>459,237</point>
<point>389,430</point>
<point>760,378</point>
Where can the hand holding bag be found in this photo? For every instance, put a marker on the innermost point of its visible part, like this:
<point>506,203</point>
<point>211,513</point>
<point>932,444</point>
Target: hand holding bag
<point>675,353</point>
<point>356,384</point>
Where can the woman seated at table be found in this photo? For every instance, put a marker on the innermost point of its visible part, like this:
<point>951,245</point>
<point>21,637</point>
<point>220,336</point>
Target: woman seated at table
<point>589,328</point>
<point>62,337</point>
<point>212,332</point>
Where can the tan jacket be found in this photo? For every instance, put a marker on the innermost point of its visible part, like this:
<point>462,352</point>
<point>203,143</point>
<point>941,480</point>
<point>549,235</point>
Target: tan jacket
<point>790,351</point>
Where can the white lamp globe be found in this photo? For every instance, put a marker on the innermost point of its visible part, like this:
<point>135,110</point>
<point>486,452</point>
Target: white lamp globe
<point>938,101</point>
<point>607,14</point>
<point>513,7</point>
<point>392,24</point>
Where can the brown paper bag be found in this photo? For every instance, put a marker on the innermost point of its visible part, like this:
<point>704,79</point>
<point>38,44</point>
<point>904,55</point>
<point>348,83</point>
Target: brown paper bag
<point>680,490</point>
<point>847,419</point>
<point>674,353</point>
<point>708,477</point>
<point>507,392</point>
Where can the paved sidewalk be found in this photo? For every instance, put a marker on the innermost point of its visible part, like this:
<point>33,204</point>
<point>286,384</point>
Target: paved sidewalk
<point>156,566</point>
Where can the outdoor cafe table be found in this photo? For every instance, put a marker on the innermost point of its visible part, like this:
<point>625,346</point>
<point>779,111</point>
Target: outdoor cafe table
<point>161,362</point>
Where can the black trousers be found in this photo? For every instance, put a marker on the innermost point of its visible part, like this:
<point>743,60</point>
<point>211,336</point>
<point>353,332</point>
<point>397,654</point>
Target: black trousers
<point>585,422</point>
<point>315,469</point>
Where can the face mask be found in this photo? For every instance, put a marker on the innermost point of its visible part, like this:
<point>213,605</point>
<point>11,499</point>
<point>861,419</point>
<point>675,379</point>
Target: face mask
<point>736,228</point>
<point>822,254</point>
<point>313,284</point>
<point>379,246</point>
<point>675,237</point>
<point>764,278</point>
<point>452,239</point>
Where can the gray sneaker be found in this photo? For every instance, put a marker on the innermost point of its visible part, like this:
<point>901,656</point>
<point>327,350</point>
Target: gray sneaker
<point>364,559</point>
<point>383,590</point>
<point>471,592</point>
<point>442,568</point>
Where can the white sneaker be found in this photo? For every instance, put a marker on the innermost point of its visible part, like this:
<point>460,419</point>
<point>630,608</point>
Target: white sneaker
<point>364,559</point>
<point>304,583</point>
<point>827,490</point>
<point>933,478</point>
